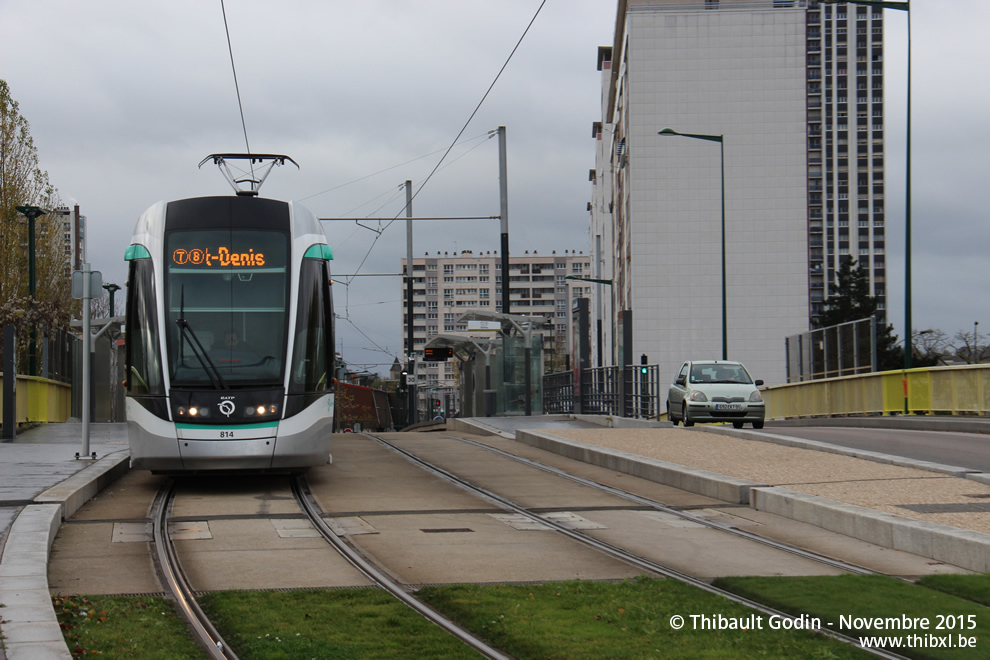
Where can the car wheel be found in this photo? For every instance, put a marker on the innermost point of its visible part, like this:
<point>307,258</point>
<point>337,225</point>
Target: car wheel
<point>670,414</point>
<point>737,425</point>
<point>687,420</point>
<point>758,425</point>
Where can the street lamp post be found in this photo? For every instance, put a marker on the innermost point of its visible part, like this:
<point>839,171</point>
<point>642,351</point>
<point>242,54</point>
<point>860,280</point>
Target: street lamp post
<point>112,289</point>
<point>32,213</point>
<point>976,325</point>
<point>721,146</point>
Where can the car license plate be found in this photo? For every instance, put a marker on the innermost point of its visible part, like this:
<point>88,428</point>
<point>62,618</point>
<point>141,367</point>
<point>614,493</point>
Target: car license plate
<point>727,406</point>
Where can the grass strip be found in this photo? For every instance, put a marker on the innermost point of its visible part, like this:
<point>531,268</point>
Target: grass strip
<point>971,587</point>
<point>351,623</point>
<point>124,627</point>
<point>926,623</point>
<point>630,619</point>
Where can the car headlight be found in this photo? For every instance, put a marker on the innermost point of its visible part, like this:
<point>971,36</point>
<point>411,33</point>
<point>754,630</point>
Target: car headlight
<point>697,395</point>
<point>755,396</point>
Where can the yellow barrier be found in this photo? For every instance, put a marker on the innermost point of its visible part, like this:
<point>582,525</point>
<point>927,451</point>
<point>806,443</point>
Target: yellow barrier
<point>956,390</point>
<point>41,400</point>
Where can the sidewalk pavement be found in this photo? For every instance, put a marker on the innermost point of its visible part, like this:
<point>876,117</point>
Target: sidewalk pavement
<point>923,508</point>
<point>42,483</point>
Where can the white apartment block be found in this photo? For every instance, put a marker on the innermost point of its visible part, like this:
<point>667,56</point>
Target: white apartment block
<point>447,285</point>
<point>736,69</point>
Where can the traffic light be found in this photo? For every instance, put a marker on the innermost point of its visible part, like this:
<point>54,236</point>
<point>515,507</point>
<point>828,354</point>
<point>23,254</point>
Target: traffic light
<point>436,402</point>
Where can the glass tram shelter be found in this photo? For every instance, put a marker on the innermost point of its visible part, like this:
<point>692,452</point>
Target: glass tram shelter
<point>501,372</point>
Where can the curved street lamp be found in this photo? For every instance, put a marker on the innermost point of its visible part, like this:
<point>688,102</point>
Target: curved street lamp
<point>721,145</point>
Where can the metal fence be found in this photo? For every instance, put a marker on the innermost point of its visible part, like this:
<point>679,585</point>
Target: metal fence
<point>558,392</point>
<point>643,395</point>
<point>600,391</point>
<point>630,392</point>
<point>838,350</point>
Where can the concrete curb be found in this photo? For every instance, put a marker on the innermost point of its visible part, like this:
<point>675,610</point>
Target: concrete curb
<point>959,547</point>
<point>905,422</point>
<point>29,624</point>
<point>693,480</point>
<point>474,426</point>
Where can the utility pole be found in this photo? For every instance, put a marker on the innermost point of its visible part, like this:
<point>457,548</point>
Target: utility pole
<point>503,196</point>
<point>410,388</point>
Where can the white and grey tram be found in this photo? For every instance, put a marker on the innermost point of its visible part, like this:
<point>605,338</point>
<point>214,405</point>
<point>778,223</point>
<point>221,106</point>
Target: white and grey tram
<point>230,334</point>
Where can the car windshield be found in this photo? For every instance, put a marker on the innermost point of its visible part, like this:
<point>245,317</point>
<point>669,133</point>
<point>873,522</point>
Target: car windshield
<point>720,373</point>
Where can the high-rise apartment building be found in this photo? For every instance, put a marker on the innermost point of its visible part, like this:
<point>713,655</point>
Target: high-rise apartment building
<point>787,96</point>
<point>734,72</point>
<point>73,237</point>
<point>445,286</point>
<point>845,145</point>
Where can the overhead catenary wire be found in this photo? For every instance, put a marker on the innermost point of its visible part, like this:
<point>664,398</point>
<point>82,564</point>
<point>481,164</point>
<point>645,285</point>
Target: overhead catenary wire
<point>459,133</point>
<point>448,150</point>
<point>394,167</point>
<point>237,88</point>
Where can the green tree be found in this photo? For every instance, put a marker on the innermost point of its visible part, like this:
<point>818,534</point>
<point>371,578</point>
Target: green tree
<point>852,299</point>
<point>22,182</point>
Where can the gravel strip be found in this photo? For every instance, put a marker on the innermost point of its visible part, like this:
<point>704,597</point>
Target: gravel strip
<point>857,481</point>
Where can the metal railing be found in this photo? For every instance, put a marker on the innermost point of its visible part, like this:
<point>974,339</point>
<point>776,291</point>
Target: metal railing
<point>600,391</point>
<point>630,392</point>
<point>558,393</point>
<point>960,390</point>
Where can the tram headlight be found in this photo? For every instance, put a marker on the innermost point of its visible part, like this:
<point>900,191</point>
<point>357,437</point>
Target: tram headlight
<point>261,409</point>
<point>193,411</point>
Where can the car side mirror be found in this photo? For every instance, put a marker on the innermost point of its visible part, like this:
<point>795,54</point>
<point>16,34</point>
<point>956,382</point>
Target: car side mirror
<point>759,383</point>
<point>680,380</point>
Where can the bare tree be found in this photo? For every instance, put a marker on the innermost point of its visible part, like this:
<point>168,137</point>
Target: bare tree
<point>967,346</point>
<point>930,347</point>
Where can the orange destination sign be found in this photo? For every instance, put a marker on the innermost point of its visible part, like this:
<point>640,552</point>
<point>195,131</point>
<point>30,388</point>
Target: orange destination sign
<point>222,257</point>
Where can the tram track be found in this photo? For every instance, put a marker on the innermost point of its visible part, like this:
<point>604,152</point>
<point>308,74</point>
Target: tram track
<point>179,589</point>
<point>680,513</point>
<point>175,581</point>
<point>621,554</point>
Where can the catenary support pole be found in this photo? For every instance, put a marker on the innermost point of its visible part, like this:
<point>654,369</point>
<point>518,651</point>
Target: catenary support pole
<point>503,197</point>
<point>411,417</point>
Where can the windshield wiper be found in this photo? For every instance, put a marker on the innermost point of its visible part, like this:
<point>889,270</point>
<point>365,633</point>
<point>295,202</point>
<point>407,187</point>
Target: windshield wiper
<point>197,347</point>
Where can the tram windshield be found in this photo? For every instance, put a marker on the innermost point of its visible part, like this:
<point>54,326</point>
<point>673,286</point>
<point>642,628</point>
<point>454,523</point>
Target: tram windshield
<point>227,307</point>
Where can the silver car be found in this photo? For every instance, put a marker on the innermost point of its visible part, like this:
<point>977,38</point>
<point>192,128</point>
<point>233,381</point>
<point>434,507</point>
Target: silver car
<point>715,391</point>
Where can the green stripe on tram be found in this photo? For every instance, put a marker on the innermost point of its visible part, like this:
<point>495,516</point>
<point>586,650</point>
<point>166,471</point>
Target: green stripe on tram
<point>227,427</point>
<point>319,251</point>
<point>136,252</point>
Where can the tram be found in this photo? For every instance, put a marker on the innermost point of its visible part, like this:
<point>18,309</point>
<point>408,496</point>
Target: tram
<point>230,333</point>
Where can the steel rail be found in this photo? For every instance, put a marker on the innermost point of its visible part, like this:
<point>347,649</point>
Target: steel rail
<point>306,502</point>
<point>621,554</point>
<point>658,506</point>
<point>174,579</point>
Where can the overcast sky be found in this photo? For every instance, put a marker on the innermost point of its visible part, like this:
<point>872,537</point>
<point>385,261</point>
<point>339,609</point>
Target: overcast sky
<point>124,99</point>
